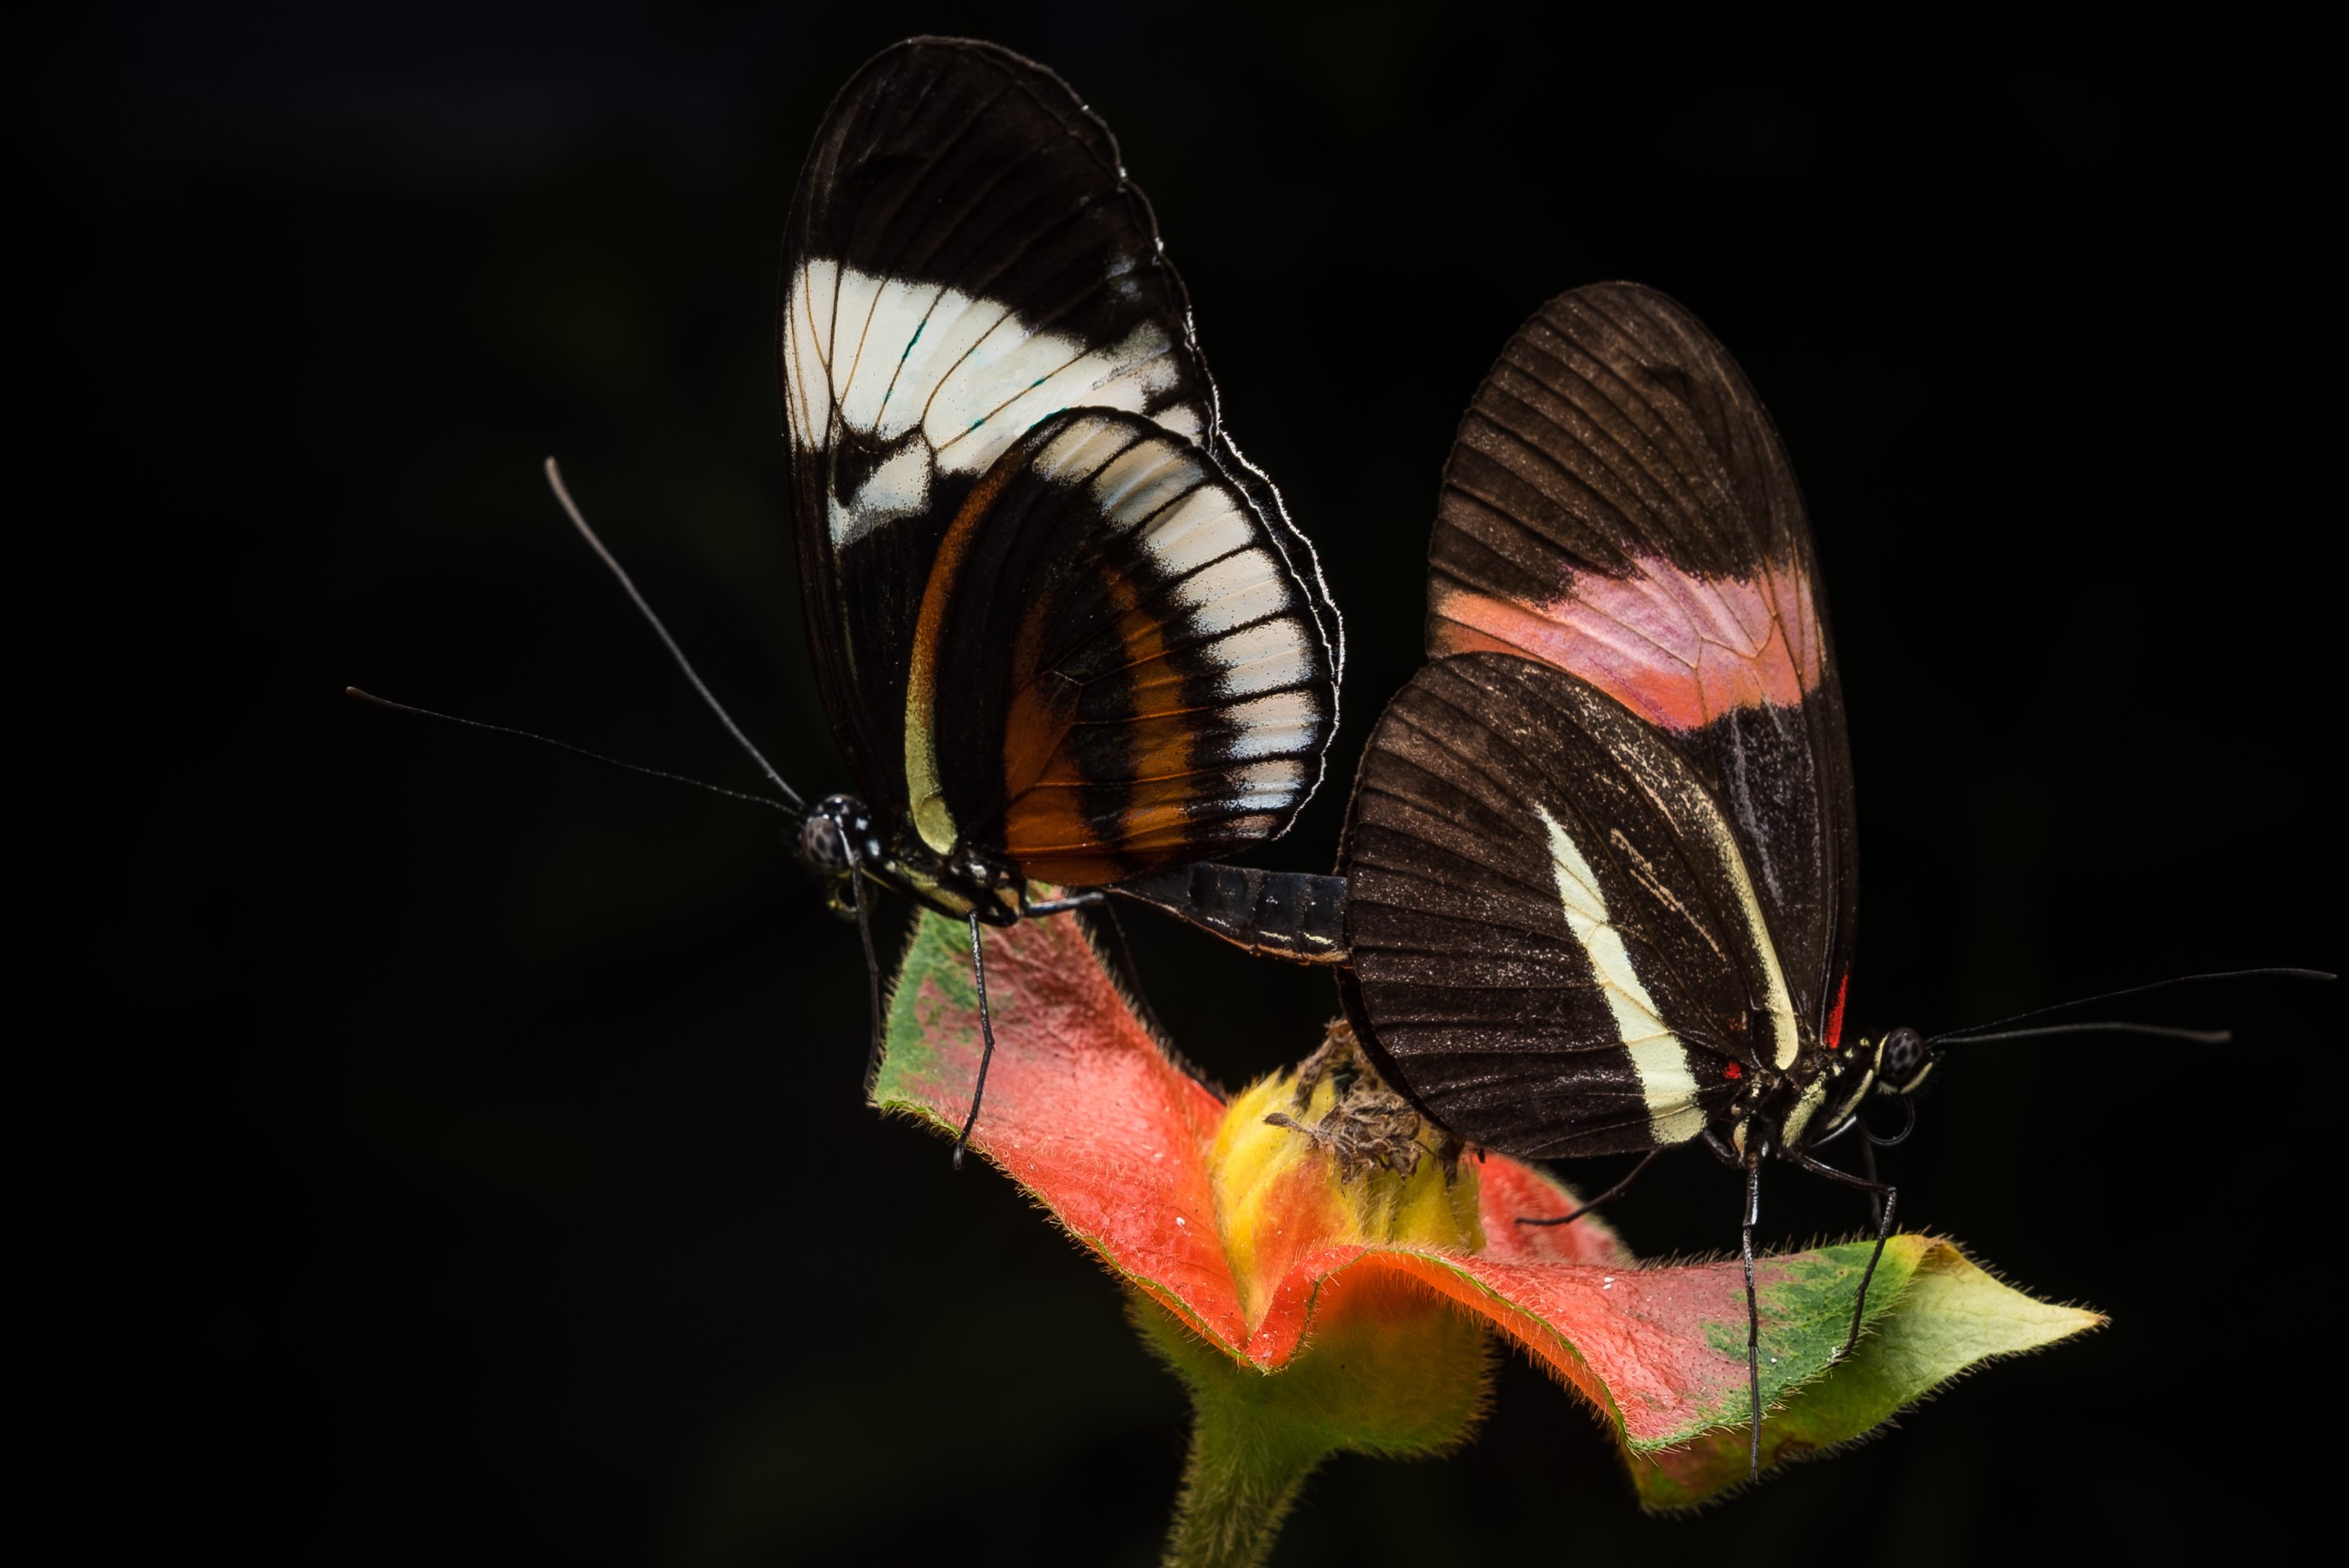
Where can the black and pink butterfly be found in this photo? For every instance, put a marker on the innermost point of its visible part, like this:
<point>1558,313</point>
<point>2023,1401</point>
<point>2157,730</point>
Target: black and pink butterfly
<point>1600,874</point>
<point>1600,867</point>
<point>1601,858</point>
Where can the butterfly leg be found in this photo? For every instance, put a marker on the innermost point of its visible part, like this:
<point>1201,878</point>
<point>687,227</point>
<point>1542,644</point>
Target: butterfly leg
<point>1868,1168</point>
<point>871,961</point>
<point>985,1036</point>
<point>1085,900</point>
<point>1753,1318</point>
<point>1890,1198</point>
<point>1617,1191</point>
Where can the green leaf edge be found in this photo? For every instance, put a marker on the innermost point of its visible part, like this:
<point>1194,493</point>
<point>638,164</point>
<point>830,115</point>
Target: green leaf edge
<point>1982,1319</point>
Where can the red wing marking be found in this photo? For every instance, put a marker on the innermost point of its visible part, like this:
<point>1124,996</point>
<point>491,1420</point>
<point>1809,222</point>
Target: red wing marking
<point>1835,1015</point>
<point>1678,649</point>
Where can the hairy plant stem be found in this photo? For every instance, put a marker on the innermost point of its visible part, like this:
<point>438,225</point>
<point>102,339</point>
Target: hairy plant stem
<point>1241,1479</point>
<point>1392,1373</point>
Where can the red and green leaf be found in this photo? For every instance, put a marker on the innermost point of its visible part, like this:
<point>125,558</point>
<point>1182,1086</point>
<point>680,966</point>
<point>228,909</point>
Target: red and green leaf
<point>1093,1115</point>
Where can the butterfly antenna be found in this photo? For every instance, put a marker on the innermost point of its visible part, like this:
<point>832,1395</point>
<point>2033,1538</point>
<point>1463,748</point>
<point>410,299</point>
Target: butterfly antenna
<point>1975,1031</point>
<point>985,1034</point>
<point>579,521</point>
<point>2108,1027</point>
<point>872,960</point>
<point>355,693</point>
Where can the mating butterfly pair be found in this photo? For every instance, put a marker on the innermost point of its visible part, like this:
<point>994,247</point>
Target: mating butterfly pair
<point>1597,890</point>
<point>1601,853</point>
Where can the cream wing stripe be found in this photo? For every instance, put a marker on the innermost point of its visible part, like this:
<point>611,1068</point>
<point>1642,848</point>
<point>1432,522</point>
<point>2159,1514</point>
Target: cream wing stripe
<point>1786,1043</point>
<point>1658,1058</point>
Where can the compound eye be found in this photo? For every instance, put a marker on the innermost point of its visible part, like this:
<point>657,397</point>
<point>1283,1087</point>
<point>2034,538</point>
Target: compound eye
<point>1904,1053</point>
<point>824,845</point>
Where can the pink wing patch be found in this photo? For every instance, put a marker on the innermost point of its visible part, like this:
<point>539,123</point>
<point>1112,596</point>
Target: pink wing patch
<point>1678,649</point>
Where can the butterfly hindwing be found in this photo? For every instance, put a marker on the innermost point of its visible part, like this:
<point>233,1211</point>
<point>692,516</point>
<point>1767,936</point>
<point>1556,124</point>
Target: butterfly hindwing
<point>1555,942</point>
<point>1618,504</point>
<point>1158,689</point>
<point>964,259</point>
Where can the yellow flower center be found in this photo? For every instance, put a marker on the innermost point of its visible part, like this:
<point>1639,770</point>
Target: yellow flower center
<point>1325,1155</point>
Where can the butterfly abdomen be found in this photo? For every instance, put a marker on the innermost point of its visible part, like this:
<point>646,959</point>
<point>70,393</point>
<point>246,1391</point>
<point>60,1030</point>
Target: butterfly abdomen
<point>1279,914</point>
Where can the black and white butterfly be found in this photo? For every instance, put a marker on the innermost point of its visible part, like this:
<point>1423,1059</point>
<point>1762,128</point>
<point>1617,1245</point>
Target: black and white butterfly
<point>1065,633</point>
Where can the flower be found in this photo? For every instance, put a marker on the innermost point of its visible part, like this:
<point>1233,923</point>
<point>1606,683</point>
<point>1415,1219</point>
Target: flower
<point>1324,1278</point>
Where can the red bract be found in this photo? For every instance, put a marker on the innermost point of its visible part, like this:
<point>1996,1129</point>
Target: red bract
<point>1256,1239</point>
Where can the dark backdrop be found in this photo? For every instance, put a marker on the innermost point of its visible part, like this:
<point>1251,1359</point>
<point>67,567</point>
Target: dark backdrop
<point>458,1155</point>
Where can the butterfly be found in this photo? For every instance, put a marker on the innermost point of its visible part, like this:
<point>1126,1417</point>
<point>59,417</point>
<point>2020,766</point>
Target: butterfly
<point>1600,858</point>
<point>1064,631</point>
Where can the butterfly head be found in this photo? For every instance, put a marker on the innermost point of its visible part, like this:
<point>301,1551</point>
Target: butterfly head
<point>836,838</point>
<point>1904,1060</point>
<point>1892,1066</point>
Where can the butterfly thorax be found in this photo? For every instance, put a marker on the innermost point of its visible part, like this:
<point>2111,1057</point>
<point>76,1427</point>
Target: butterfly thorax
<point>1817,1100</point>
<point>1803,1105</point>
<point>965,882</point>
<point>841,837</point>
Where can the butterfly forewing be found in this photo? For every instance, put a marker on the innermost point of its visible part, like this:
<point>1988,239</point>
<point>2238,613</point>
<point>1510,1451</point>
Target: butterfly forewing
<point>964,260</point>
<point>1159,691</point>
<point>1619,505</point>
<point>1555,943</point>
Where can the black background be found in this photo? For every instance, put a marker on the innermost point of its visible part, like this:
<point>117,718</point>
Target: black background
<point>457,1151</point>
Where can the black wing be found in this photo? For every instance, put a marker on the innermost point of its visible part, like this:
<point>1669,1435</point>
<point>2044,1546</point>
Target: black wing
<point>1155,690</point>
<point>966,258</point>
<point>1618,504</point>
<point>1556,944</point>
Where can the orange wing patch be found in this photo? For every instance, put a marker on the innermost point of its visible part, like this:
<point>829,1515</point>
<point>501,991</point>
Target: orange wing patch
<point>1047,830</point>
